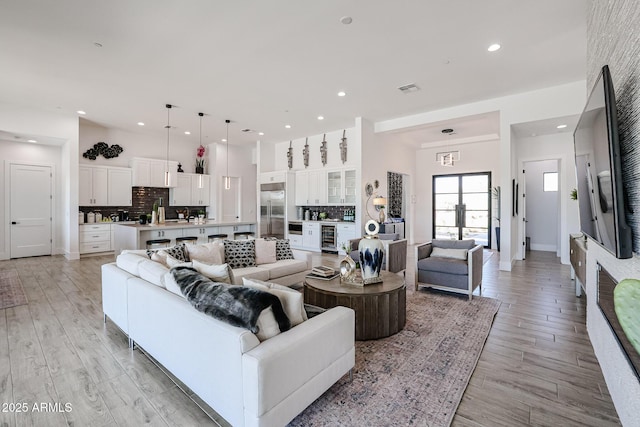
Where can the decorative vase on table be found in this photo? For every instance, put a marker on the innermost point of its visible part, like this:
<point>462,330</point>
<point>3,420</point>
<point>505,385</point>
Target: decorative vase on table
<point>199,169</point>
<point>371,252</point>
<point>347,270</point>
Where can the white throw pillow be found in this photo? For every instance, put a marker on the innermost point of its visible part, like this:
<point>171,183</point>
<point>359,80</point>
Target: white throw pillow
<point>159,256</point>
<point>449,253</point>
<point>208,253</point>
<point>267,325</point>
<point>174,262</point>
<point>265,251</point>
<point>292,300</point>
<point>217,273</point>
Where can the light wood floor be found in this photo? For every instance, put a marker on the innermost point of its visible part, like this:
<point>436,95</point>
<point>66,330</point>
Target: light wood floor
<point>537,368</point>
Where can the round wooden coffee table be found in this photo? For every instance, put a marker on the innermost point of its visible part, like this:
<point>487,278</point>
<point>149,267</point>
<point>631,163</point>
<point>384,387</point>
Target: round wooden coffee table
<point>380,308</point>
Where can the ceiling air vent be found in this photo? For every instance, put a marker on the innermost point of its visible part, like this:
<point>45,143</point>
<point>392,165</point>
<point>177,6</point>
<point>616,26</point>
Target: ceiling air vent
<point>409,88</point>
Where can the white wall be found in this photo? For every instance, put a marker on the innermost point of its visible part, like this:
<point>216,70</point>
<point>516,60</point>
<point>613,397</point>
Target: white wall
<point>474,157</point>
<point>27,121</point>
<point>557,101</point>
<point>559,147</point>
<point>181,148</point>
<point>542,213</point>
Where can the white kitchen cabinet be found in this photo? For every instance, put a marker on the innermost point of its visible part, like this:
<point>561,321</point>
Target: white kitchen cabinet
<point>311,236</point>
<point>180,195</point>
<point>311,188</point>
<point>95,238</point>
<point>150,172</point>
<point>119,187</point>
<point>104,186</point>
<point>93,186</point>
<point>345,232</point>
<point>341,187</point>
<point>200,189</point>
<point>160,234</point>
<point>295,241</point>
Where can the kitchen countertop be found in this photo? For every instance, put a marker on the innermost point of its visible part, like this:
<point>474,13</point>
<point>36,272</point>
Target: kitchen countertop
<point>325,222</point>
<point>183,224</point>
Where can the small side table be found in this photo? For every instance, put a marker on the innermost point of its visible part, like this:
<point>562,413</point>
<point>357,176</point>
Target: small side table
<point>380,308</point>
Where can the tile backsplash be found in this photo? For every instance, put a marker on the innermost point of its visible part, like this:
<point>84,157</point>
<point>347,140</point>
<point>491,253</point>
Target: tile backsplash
<point>142,203</point>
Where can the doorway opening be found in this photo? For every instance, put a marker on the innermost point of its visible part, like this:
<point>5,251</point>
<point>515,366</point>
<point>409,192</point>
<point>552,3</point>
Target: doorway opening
<point>541,206</point>
<point>462,207</point>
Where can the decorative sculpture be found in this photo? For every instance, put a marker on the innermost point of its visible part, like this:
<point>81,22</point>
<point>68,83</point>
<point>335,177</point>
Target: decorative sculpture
<point>305,153</point>
<point>323,150</point>
<point>290,155</point>
<point>104,149</point>
<point>343,147</point>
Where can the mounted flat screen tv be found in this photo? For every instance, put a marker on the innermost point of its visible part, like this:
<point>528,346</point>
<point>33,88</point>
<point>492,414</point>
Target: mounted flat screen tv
<point>599,173</point>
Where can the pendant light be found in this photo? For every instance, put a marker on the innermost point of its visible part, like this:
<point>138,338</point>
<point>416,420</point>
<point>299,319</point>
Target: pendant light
<point>167,174</point>
<point>200,180</point>
<point>227,178</point>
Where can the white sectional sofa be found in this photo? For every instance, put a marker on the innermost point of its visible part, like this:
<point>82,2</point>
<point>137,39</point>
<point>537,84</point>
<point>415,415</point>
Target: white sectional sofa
<point>247,382</point>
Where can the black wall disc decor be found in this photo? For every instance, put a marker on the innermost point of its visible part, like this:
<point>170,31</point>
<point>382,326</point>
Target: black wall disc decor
<point>102,148</point>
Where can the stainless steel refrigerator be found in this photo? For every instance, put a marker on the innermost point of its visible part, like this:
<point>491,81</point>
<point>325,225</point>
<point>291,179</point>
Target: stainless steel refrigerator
<point>272,209</point>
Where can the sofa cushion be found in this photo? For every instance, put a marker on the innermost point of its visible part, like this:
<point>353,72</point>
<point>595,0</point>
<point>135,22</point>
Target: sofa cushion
<point>460,254</point>
<point>218,273</point>
<point>249,272</point>
<point>285,267</point>
<point>453,244</point>
<point>178,251</point>
<point>240,253</point>
<point>267,325</point>
<point>265,251</point>
<point>175,262</point>
<point>208,253</point>
<point>283,249</point>
<point>171,285</point>
<point>292,301</point>
<point>130,262</point>
<point>443,265</point>
<point>153,272</point>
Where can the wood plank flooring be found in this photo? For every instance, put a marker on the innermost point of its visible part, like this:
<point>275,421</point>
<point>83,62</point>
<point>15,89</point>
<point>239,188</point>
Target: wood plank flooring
<point>537,368</point>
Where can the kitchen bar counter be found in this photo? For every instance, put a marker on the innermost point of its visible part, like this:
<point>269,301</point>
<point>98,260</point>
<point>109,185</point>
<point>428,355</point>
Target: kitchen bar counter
<point>135,236</point>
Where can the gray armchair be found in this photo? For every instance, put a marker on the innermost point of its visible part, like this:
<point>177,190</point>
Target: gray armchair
<point>395,256</point>
<point>447,270</point>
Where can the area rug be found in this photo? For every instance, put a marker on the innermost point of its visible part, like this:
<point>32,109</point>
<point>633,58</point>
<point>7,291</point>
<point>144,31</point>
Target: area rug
<point>11,292</point>
<point>416,377</point>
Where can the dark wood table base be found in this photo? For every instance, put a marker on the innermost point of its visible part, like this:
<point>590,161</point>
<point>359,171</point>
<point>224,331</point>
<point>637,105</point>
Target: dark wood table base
<point>380,308</point>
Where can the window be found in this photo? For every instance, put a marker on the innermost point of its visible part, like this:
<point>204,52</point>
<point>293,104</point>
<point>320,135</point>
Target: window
<point>550,181</point>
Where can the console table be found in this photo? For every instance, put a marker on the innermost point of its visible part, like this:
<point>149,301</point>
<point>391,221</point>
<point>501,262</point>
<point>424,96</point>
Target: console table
<point>578,260</point>
<point>380,308</point>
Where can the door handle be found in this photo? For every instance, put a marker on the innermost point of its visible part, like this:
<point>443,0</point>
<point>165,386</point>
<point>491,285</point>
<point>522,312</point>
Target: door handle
<point>14,222</point>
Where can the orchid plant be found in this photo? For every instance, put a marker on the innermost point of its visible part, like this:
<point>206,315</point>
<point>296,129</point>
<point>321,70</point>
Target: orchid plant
<point>200,156</point>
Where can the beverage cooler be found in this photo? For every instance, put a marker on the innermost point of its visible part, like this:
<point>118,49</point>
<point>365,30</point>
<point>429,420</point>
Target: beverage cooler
<point>329,236</point>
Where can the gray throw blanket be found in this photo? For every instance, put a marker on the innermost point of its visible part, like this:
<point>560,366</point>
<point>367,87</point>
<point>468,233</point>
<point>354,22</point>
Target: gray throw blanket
<point>236,305</point>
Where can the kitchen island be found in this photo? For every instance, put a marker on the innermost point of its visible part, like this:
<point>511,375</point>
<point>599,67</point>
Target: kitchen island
<point>135,236</point>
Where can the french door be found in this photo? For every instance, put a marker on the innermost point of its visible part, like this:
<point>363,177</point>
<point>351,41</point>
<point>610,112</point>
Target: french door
<point>462,207</point>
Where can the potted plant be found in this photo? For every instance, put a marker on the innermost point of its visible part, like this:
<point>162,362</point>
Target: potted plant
<point>200,159</point>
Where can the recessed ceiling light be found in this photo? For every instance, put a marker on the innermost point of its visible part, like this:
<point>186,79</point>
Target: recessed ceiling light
<point>223,140</point>
<point>260,133</point>
<point>287,126</point>
<point>82,113</point>
<point>494,47</point>
<point>561,126</point>
<point>140,124</point>
<point>31,140</point>
<point>346,20</point>
<point>341,93</point>
<point>320,117</point>
<point>186,132</point>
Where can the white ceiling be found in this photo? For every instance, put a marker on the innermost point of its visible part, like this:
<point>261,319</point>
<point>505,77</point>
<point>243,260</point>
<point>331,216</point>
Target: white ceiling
<point>265,64</point>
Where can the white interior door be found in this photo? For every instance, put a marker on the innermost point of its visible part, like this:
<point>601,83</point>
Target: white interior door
<point>230,200</point>
<point>30,210</point>
<point>524,215</point>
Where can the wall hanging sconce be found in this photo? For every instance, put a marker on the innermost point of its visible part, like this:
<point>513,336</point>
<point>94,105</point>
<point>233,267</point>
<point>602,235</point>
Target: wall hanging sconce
<point>305,152</point>
<point>290,156</point>
<point>167,174</point>
<point>323,150</point>
<point>227,178</point>
<point>343,147</point>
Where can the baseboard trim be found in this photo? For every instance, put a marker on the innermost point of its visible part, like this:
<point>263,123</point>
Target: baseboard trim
<point>545,248</point>
<point>71,256</point>
<point>4,255</point>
